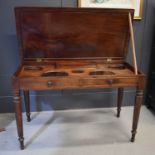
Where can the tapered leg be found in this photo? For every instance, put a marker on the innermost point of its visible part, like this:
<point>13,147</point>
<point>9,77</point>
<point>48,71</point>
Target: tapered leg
<point>27,104</point>
<point>119,101</point>
<point>138,102</point>
<point>18,115</point>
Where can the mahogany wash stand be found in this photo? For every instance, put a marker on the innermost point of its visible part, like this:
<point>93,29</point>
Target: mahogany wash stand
<point>75,48</point>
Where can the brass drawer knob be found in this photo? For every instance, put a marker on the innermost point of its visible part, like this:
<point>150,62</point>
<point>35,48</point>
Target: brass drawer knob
<point>49,83</point>
<point>110,82</point>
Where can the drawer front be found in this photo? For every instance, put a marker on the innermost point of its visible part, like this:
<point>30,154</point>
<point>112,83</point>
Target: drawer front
<point>48,83</point>
<point>110,82</point>
<point>71,83</point>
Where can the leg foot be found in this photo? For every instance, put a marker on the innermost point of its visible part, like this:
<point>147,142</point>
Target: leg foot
<point>133,136</point>
<point>119,101</point>
<point>21,141</point>
<point>18,115</point>
<point>27,104</point>
<point>28,118</point>
<point>138,102</point>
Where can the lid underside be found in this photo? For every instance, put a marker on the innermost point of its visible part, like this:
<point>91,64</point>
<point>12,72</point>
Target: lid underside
<point>57,33</point>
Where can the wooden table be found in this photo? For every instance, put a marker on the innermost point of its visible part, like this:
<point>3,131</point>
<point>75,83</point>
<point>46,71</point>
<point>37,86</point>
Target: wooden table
<point>74,48</point>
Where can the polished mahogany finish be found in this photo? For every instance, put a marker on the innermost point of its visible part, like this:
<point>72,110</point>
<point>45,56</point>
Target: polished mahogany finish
<point>73,48</point>
<point>72,33</point>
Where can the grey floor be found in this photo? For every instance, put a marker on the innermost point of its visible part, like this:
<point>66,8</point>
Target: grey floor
<point>80,132</point>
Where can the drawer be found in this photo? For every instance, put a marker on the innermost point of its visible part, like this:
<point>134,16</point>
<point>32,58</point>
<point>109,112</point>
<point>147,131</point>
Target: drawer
<point>48,83</point>
<point>110,82</point>
<point>71,83</point>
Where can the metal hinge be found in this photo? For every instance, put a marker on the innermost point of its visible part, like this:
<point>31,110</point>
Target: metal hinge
<point>109,60</point>
<point>39,60</point>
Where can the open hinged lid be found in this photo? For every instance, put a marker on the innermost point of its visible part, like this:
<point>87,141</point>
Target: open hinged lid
<point>64,33</point>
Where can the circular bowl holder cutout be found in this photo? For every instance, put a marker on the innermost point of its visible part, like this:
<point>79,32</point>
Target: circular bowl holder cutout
<point>101,73</point>
<point>46,74</point>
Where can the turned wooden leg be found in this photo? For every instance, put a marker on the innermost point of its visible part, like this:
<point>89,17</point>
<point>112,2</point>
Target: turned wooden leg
<point>18,115</point>
<point>137,106</point>
<point>119,101</point>
<point>27,104</point>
